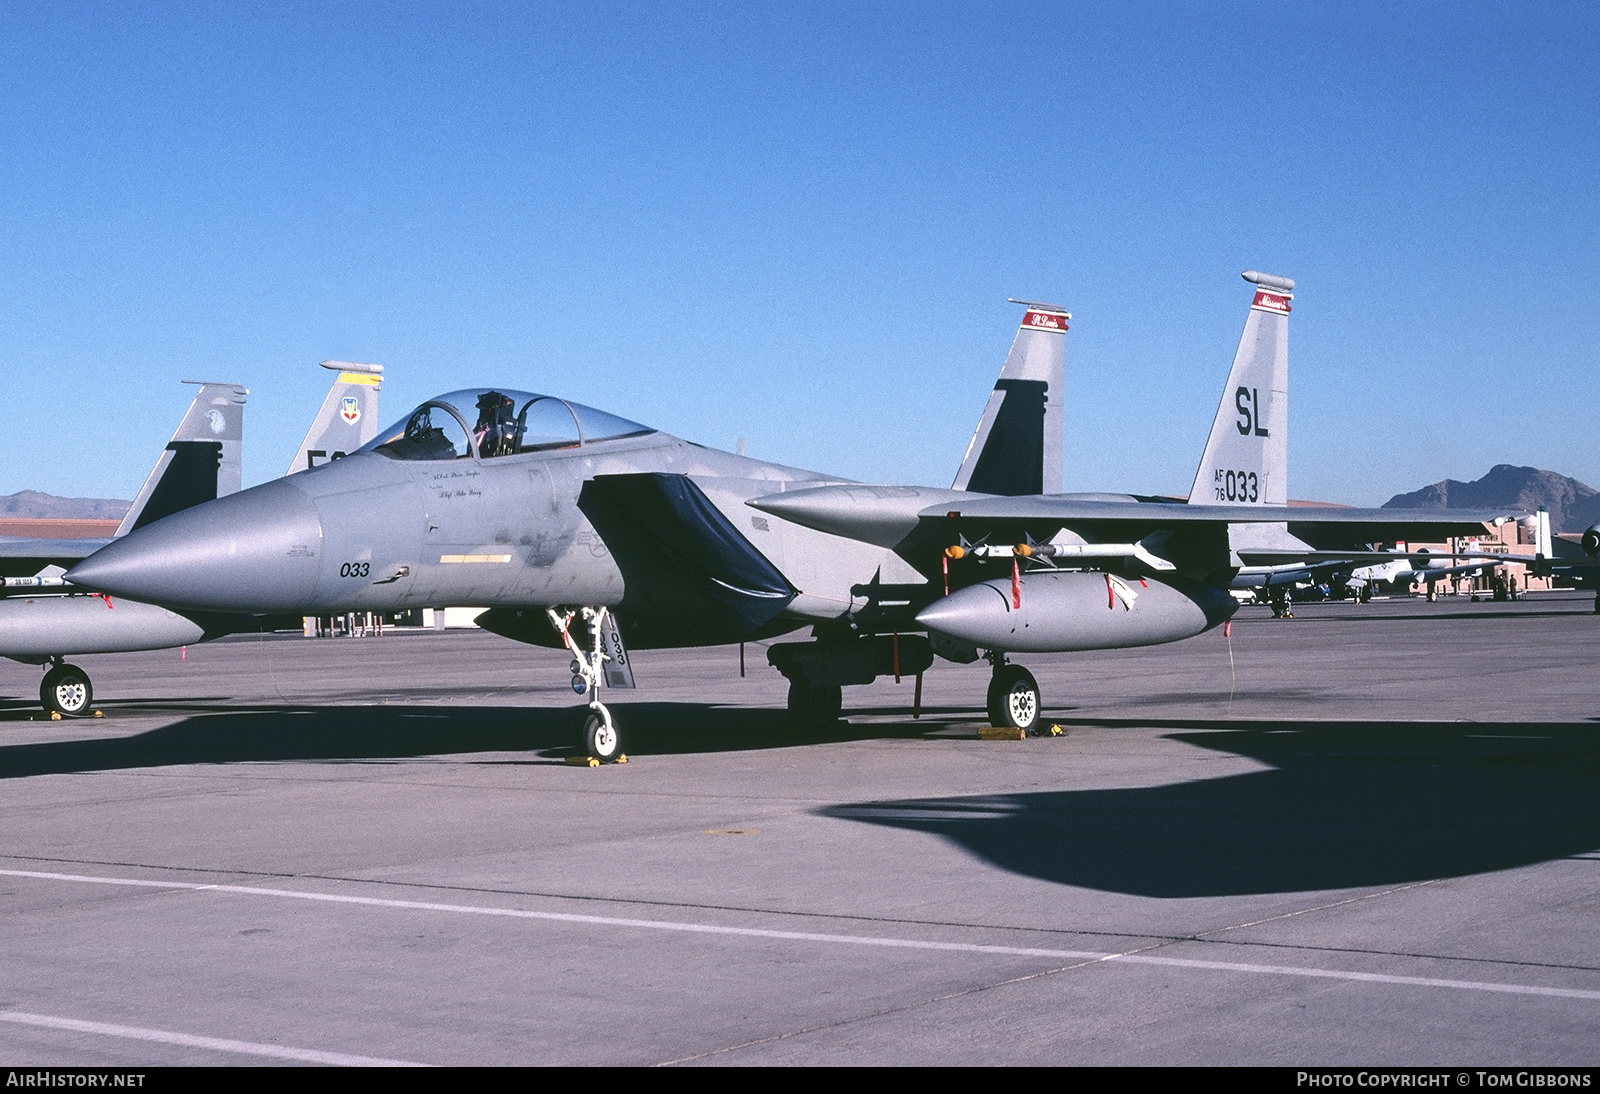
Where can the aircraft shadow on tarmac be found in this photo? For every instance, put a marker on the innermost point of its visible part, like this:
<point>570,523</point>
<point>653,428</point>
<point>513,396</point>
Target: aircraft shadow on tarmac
<point>383,733</point>
<point>1340,805</point>
<point>1343,805</point>
<point>1435,617</point>
<point>27,710</point>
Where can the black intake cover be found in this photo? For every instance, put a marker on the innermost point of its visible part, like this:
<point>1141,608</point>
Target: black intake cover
<point>690,577</point>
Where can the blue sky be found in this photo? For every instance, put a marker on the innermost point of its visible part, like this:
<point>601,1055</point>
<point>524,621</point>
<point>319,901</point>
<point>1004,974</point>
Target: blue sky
<point>801,225</point>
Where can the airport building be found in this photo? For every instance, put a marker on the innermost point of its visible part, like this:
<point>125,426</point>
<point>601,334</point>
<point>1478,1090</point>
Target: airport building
<point>1513,539</point>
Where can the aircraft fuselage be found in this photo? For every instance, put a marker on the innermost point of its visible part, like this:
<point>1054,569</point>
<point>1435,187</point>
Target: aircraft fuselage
<point>371,533</point>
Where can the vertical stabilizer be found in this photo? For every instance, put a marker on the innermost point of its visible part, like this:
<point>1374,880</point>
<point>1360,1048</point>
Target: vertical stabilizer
<point>348,418</point>
<point>200,463</point>
<point>1016,448</point>
<point>1246,461</point>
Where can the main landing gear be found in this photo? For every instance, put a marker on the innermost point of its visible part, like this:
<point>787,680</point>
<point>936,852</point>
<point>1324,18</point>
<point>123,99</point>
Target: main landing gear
<point>65,690</point>
<point>1279,597</point>
<point>818,671</point>
<point>600,736</point>
<point>1013,696</point>
<point>814,704</point>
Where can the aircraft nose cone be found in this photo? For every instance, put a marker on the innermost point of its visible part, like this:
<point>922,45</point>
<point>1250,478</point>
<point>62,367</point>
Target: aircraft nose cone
<point>254,551</point>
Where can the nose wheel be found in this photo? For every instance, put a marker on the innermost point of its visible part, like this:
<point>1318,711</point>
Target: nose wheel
<point>601,740</point>
<point>1014,699</point>
<point>66,690</point>
<point>600,735</point>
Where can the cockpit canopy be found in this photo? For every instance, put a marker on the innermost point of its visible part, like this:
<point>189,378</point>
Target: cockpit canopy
<point>490,422</point>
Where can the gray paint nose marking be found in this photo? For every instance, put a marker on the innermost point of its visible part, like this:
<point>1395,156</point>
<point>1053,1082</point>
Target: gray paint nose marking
<point>255,551</point>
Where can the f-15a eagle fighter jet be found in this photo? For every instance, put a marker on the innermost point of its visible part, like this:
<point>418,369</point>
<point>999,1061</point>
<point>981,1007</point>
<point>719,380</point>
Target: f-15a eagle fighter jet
<point>577,528</point>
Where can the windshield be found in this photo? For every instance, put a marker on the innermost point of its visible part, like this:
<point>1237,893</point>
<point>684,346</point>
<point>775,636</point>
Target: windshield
<point>500,422</point>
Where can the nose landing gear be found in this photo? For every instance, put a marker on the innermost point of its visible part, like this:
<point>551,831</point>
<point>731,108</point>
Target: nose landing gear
<point>600,736</point>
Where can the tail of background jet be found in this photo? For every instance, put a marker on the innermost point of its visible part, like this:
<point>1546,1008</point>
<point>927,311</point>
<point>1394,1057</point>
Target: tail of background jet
<point>200,463</point>
<point>348,418</point>
<point>1017,446</point>
<point>1246,461</point>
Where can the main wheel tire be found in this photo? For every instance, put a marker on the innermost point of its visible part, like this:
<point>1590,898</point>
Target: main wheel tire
<point>66,691</point>
<point>1014,699</point>
<point>827,703</point>
<point>814,704</point>
<point>601,738</point>
<point>800,701</point>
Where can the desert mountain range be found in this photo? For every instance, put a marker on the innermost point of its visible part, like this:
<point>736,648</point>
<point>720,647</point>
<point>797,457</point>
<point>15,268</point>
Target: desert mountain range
<point>32,503</point>
<point>1573,506</point>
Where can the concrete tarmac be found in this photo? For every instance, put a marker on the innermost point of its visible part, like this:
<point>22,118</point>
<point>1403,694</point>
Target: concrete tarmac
<point>1367,835</point>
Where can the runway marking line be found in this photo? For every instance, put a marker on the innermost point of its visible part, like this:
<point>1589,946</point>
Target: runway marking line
<point>189,1040</point>
<point>1125,958</point>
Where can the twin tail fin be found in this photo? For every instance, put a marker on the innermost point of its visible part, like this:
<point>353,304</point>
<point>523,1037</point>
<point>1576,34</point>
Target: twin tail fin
<point>1016,448</point>
<point>1246,459</point>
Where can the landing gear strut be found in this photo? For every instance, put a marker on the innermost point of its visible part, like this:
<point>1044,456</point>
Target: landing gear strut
<point>600,736</point>
<point>1013,697</point>
<point>65,690</point>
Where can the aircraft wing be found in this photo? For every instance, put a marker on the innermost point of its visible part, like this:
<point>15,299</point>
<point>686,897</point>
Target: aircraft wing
<point>887,516</point>
<point>1370,524</point>
<point>1371,558</point>
<point>1194,532</point>
<point>24,556</point>
<point>1434,574</point>
<point>919,523</point>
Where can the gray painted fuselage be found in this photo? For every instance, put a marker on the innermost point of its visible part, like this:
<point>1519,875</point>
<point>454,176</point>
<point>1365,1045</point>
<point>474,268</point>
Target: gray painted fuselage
<point>371,533</point>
